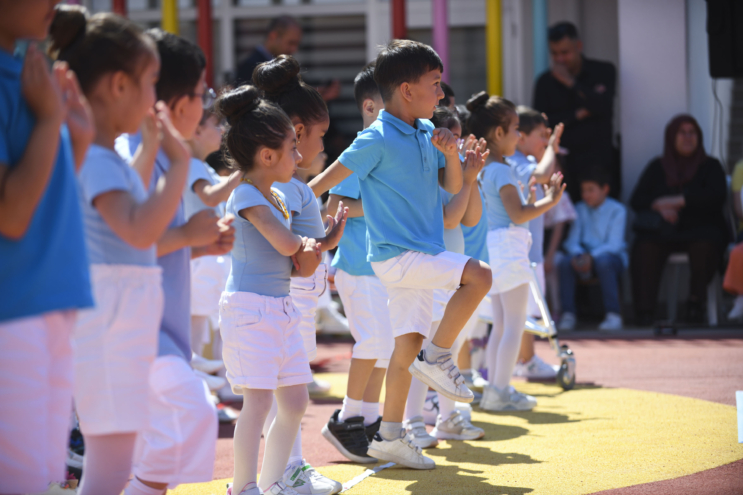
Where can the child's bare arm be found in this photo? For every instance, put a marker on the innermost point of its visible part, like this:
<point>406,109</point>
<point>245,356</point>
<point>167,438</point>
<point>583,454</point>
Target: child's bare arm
<point>454,211</point>
<point>355,206</point>
<point>474,208</point>
<point>307,258</point>
<point>281,238</point>
<point>336,226</point>
<point>450,177</point>
<point>143,160</point>
<point>213,194</point>
<point>329,178</point>
<point>520,213</point>
<point>546,166</point>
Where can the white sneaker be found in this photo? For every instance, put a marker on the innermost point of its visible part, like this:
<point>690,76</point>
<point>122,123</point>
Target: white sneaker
<point>567,322</point>
<point>249,489</point>
<point>213,382</point>
<point>507,399</point>
<point>318,387</point>
<point>303,479</point>
<point>737,312</point>
<point>612,323</point>
<point>208,366</point>
<point>279,488</point>
<point>456,427</point>
<point>442,376</point>
<point>536,368</point>
<point>416,429</point>
<point>400,451</point>
<point>329,320</point>
<point>478,381</point>
<point>431,408</point>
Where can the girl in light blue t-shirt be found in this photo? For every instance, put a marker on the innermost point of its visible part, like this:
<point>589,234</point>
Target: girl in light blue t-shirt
<point>508,211</point>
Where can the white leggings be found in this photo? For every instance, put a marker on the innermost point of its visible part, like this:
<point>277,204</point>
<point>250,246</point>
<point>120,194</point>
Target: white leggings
<point>107,463</point>
<point>509,318</point>
<point>296,453</point>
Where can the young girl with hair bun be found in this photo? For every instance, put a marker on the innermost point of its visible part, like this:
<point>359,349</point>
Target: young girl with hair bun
<point>281,83</point>
<point>495,119</point>
<point>115,343</point>
<point>263,349</point>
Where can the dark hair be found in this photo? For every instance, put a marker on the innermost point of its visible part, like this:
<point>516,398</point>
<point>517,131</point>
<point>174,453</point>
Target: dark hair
<point>562,30</point>
<point>253,122</point>
<point>282,23</point>
<point>487,113</point>
<point>364,85</point>
<point>448,94</point>
<point>181,65</point>
<point>94,46</point>
<point>464,116</point>
<point>596,174</point>
<point>529,119</point>
<point>403,61</point>
<point>445,117</point>
<point>281,83</point>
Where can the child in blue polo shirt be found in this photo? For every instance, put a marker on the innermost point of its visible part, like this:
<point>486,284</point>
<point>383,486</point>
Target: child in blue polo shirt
<point>400,161</point>
<point>45,131</point>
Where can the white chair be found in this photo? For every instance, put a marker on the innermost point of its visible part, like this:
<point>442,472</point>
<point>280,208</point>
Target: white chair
<point>675,261</point>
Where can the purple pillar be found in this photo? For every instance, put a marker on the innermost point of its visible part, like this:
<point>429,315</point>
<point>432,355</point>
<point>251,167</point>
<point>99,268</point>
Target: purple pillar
<point>441,33</point>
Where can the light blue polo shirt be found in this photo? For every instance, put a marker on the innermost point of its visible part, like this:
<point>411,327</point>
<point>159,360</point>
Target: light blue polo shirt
<point>351,254</point>
<point>104,171</point>
<point>47,269</point>
<point>523,167</point>
<point>493,177</point>
<point>301,201</point>
<point>476,238</point>
<point>256,265</point>
<point>174,338</point>
<point>398,171</point>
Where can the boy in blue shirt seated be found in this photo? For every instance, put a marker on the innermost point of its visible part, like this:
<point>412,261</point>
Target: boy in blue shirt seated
<point>400,161</point>
<point>595,246</point>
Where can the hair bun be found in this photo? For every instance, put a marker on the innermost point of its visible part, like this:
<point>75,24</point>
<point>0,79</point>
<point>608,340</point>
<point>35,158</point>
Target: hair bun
<point>67,27</point>
<point>277,76</point>
<point>477,101</point>
<point>233,104</point>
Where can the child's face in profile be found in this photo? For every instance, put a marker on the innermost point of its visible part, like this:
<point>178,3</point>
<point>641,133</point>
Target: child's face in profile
<point>426,94</point>
<point>209,135</point>
<point>288,160</point>
<point>311,144</point>
<point>593,194</point>
<point>192,109</point>
<point>28,19</point>
<point>534,143</point>
<point>508,141</point>
<point>456,129</point>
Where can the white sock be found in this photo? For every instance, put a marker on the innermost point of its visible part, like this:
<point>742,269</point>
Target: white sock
<point>136,487</point>
<point>509,314</point>
<point>351,408</point>
<point>446,407</point>
<point>416,398</point>
<point>390,431</point>
<point>107,463</point>
<point>370,412</point>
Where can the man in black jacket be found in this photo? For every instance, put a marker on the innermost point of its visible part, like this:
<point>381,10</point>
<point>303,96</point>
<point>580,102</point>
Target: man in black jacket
<point>283,38</point>
<point>580,93</point>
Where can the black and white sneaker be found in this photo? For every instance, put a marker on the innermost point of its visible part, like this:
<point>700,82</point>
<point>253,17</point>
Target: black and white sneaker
<point>349,437</point>
<point>372,429</point>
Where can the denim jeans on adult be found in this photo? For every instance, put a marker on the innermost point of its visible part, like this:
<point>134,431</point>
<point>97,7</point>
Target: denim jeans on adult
<point>608,268</point>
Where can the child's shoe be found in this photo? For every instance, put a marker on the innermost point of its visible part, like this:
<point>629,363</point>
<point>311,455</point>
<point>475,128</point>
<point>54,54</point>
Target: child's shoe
<point>317,388</point>
<point>536,368</point>
<point>737,312</point>
<point>372,429</point>
<point>478,381</point>
<point>249,489</point>
<point>567,322</point>
<point>400,451</point>
<point>612,323</point>
<point>507,399</point>
<point>280,488</point>
<point>443,376</point>
<point>416,429</point>
<point>349,437</point>
<point>329,320</point>
<point>456,427</point>
<point>303,479</point>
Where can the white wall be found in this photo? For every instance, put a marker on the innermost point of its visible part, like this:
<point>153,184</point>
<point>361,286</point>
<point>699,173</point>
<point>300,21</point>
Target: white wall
<point>652,78</point>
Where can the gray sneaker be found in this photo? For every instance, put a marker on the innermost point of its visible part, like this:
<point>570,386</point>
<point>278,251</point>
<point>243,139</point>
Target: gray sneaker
<point>416,429</point>
<point>456,427</point>
<point>507,399</point>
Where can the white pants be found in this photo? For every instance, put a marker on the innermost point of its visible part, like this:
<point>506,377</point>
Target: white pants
<point>508,249</point>
<point>365,304</point>
<point>35,400</point>
<point>208,278</point>
<point>305,293</point>
<point>411,278</point>
<point>532,309</point>
<point>114,346</point>
<point>179,444</point>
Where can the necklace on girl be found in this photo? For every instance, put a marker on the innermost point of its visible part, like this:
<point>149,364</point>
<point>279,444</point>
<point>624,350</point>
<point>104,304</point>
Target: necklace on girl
<point>282,207</point>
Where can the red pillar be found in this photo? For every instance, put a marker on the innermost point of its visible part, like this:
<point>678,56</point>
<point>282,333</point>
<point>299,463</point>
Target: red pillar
<point>119,7</point>
<point>205,37</point>
<point>399,22</point>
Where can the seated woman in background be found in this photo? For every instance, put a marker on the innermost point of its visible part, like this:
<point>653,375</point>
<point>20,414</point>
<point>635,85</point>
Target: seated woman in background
<point>678,203</point>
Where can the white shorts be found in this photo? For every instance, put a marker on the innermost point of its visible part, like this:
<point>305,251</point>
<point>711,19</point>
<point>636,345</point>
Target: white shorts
<point>532,309</point>
<point>411,278</point>
<point>364,300</point>
<point>440,300</point>
<point>114,345</point>
<point>208,278</point>
<point>305,293</point>
<point>180,441</point>
<point>35,400</point>
<point>262,346</point>
<point>509,258</point>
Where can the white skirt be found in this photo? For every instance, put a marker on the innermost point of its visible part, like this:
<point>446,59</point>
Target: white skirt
<point>509,258</point>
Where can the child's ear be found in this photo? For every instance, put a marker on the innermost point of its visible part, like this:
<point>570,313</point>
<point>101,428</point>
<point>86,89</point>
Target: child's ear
<point>178,107</point>
<point>300,129</point>
<point>405,91</point>
<point>368,107</point>
<point>266,156</point>
<point>117,83</point>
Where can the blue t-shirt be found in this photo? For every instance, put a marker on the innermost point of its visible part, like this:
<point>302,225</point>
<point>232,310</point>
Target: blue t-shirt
<point>351,254</point>
<point>174,338</point>
<point>301,201</point>
<point>256,265</point>
<point>493,177</point>
<point>47,269</point>
<point>523,167</point>
<point>453,238</point>
<point>398,169</point>
<point>476,238</point>
<point>104,171</point>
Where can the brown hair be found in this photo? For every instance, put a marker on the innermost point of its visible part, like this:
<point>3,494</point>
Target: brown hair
<point>403,61</point>
<point>487,113</point>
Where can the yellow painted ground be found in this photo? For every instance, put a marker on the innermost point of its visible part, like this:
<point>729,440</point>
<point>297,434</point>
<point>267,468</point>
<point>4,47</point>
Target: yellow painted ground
<point>577,442</point>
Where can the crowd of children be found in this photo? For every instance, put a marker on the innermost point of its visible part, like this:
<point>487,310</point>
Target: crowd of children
<point>123,249</point>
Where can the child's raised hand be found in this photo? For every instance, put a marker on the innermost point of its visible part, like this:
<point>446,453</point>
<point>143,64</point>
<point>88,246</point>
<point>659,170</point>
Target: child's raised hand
<point>336,226</point>
<point>532,185</point>
<point>79,114</point>
<point>554,189</point>
<point>40,88</point>
<point>474,161</point>
<point>308,257</point>
<point>172,142</point>
<point>444,141</point>
<point>203,228</point>
<point>555,137</point>
<point>151,134</point>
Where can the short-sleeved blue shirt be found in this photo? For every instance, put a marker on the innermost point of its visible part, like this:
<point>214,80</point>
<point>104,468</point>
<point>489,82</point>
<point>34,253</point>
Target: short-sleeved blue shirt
<point>398,169</point>
<point>301,201</point>
<point>104,171</point>
<point>476,238</point>
<point>351,254</point>
<point>47,269</point>
<point>523,167</point>
<point>256,265</point>
<point>492,178</point>
<point>174,338</point>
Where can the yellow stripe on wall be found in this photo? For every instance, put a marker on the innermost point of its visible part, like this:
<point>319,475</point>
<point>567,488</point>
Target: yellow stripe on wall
<point>494,47</point>
<point>170,16</point>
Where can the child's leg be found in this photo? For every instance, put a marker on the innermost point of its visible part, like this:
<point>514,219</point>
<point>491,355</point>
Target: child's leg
<point>296,453</point>
<point>358,379</point>
<point>567,285</point>
<point>292,403</point>
<point>398,382</point>
<point>609,268</point>
<point>247,438</point>
<point>370,404</point>
<point>107,463</point>
<point>513,315</point>
<point>526,351</point>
